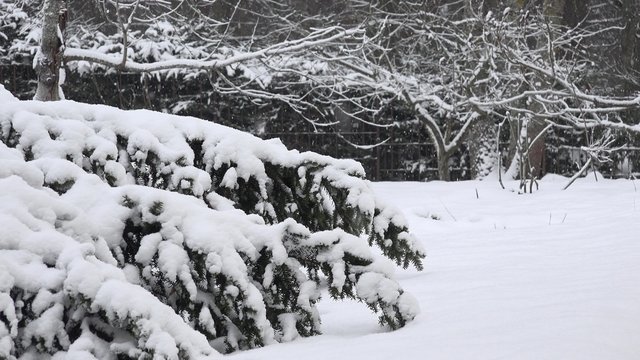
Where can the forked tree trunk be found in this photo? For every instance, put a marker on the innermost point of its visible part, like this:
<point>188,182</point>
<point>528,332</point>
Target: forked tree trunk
<point>554,10</point>
<point>49,57</point>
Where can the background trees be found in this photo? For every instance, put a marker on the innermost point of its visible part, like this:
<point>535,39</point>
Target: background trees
<point>397,56</point>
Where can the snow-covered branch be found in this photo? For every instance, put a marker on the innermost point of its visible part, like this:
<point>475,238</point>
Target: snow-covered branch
<point>316,39</point>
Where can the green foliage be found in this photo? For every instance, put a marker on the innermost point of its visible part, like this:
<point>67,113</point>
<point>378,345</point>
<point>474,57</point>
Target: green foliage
<point>228,234</point>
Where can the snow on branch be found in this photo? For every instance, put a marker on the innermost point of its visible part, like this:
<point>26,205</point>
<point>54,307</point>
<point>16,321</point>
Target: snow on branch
<point>318,38</point>
<point>146,234</point>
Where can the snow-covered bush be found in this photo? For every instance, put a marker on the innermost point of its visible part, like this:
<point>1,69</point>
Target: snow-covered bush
<point>141,235</point>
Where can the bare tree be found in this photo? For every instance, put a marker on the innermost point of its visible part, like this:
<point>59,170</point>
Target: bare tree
<point>523,67</point>
<point>240,48</point>
<point>461,67</point>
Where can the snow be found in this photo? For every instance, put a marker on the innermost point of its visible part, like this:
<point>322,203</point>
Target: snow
<point>78,126</point>
<point>109,221</point>
<point>549,275</point>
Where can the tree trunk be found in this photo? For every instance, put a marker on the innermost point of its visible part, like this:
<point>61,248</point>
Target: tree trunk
<point>443,166</point>
<point>629,41</point>
<point>521,136</point>
<point>514,151</point>
<point>554,10</point>
<point>575,11</point>
<point>482,145</point>
<point>49,57</point>
<point>537,158</point>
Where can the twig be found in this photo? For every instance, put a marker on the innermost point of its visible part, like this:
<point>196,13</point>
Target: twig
<point>579,173</point>
<point>447,210</point>
<point>499,154</point>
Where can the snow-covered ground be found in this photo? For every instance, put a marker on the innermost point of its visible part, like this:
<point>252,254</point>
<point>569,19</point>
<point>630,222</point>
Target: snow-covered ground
<point>549,275</point>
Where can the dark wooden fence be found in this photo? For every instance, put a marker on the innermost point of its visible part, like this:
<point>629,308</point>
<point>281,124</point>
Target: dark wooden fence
<point>410,157</point>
